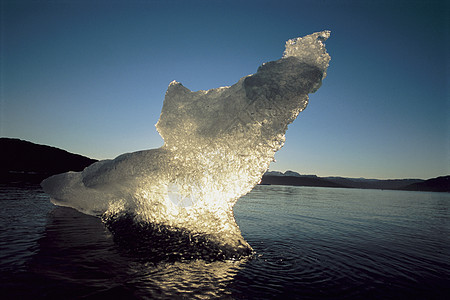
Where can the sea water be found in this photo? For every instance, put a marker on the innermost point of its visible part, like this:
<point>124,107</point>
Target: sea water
<point>309,243</point>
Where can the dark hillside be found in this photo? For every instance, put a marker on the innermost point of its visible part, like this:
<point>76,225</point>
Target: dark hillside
<point>438,184</point>
<point>298,181</point>
<point>362,183</point>
<point>25,161</point>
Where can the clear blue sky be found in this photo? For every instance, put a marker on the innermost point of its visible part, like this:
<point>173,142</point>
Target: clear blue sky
<point>90,76</point>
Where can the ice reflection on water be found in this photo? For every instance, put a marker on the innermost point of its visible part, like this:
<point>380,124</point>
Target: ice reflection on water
<point>194,279</point>
<point>77,253</point>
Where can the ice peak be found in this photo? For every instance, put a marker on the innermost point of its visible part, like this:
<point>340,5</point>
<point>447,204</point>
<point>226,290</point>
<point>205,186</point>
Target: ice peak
<point>310,49</point>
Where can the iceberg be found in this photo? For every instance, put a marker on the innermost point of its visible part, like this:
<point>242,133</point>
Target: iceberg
<point>217,145</point>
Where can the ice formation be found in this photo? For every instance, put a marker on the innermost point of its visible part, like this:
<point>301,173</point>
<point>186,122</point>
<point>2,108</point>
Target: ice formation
<point>217,145</point>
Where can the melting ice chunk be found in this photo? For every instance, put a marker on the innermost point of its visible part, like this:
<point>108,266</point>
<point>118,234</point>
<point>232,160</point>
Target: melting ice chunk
<point>217,145</point>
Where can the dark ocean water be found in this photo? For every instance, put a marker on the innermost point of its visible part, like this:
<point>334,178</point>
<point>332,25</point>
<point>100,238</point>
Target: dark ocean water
<point>310,243</point>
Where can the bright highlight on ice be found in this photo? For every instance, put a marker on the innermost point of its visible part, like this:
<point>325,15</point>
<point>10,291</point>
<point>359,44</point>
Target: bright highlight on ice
<point>217,145</point>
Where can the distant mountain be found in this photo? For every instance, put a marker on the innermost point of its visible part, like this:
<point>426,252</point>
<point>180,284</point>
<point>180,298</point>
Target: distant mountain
<point>269,179</point>
<point>362,183</point>
<point>22,161</point>
<point>440,184</point>
<point>289,173</point>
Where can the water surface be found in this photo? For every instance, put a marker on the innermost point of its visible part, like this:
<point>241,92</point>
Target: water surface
<point>310,243</point>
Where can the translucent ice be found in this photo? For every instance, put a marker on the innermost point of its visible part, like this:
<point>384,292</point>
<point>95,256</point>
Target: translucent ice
<point>217,145</point>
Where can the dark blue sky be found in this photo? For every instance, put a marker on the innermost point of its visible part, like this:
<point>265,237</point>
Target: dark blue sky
<point>90,76</point>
